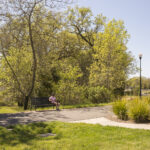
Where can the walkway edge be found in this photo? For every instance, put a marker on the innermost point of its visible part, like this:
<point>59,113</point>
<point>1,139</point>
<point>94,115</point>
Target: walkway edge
<point>106,122</point>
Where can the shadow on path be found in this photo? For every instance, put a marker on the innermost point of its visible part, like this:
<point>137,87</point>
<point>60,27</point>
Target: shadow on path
<point>30,117</point>
<point>53,115</point>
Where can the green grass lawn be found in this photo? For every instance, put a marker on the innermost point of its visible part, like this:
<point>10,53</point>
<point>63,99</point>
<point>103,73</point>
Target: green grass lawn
<point>15,109</point>
<point>71,136</point>
<point>10,109</point>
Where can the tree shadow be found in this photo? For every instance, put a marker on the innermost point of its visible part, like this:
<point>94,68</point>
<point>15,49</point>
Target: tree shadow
<point>29,117</point>
<point>22,133</point>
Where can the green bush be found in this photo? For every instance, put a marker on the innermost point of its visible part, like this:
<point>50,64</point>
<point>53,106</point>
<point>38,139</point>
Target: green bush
<point>147,99</point>
<point>120,109</point>
<point>99,94</point>
<point>68,90</point>
<point>139,110</point>
<point>71,94</point>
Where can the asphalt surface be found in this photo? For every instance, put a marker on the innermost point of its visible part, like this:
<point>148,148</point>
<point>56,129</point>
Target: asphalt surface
<point>66,115</point>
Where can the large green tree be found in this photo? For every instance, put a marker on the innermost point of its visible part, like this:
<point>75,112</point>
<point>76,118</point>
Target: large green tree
<point>106,61</point>
<point>27,13</point>
<point>66,53</point>
<point>112,60</point>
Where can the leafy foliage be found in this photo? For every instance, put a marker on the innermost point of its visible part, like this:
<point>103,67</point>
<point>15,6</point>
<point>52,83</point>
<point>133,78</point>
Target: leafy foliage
<point>68,91</point>
<point>132,85</point>
<point>111,59</point>
<point>99,94</point>
<point>120,109</point>
<point>139,110</point>
<point>79,57</point>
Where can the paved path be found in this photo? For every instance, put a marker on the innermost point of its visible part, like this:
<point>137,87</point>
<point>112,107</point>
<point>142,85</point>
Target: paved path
<point>106,122</point>
<point>95,115</point>
<point>66,115</point>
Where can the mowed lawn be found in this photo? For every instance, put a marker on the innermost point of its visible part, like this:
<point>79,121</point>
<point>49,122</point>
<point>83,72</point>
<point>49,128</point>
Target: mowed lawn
<point>72,136</point>
<point>15,109</point>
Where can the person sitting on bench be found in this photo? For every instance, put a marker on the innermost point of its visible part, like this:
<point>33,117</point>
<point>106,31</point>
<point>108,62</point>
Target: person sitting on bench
<point>53,100</point>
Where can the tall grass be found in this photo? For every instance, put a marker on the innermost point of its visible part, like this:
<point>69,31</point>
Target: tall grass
<point>120,109</point>
<point>139,110</point>
<point>136,109</point>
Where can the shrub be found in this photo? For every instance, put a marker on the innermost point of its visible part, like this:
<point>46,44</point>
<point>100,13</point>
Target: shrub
<point>68,89</point>
<point>70,94</point>
<point>120,109</point>
<point>139,110</point>
<point>99,94</point>
<point>147,99</point>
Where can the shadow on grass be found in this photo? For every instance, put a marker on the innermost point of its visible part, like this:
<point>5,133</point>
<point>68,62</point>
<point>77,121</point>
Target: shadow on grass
<point>22,133</point>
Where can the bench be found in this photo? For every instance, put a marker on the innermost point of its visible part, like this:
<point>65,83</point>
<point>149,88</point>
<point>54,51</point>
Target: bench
<point>41,102</point>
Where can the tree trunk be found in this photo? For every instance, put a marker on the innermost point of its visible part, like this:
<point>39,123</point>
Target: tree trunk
<point>20,103</point>
<point>26,102</point>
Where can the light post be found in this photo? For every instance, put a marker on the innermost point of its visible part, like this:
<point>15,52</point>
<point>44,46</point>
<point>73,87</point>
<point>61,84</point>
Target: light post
<point>140,57</point>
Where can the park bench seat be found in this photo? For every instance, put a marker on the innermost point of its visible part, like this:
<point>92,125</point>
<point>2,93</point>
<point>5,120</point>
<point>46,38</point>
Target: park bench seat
<point>41,102</point>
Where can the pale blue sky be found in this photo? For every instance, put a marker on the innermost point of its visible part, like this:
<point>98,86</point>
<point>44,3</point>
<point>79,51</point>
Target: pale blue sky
<point>136,16</point>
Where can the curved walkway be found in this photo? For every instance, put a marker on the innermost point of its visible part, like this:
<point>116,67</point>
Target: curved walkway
<point>94,115</point>
<point>106,122</point>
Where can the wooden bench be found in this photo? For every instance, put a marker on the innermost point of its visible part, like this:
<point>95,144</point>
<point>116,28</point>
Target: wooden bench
<point>40,102</point>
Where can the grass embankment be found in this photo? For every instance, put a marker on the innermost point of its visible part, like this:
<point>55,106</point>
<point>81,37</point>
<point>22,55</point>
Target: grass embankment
<point>13,108</point>
<point>73,137</point>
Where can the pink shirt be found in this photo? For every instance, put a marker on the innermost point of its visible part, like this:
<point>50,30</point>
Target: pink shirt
<point>52,99</point>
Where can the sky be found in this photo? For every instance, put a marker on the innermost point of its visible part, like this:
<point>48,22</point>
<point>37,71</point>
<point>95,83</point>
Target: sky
<point>136,17</point>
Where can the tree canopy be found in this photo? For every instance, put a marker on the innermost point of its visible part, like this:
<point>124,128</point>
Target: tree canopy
<point>71,53</point>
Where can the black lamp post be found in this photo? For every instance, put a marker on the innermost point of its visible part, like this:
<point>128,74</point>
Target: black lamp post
<point>140,57</point>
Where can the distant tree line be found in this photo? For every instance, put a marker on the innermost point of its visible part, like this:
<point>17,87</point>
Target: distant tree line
<point>133,85</point>
<point>80,57</point>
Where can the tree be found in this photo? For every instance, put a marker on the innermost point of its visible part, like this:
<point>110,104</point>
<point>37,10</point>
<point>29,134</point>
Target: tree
<point>112,61</point>
<point>23,11</point>
<point>63,53</point>
<point>133,84</point>
<point>68,89</point>
<point>80,21</point>
<point>22,66</point>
